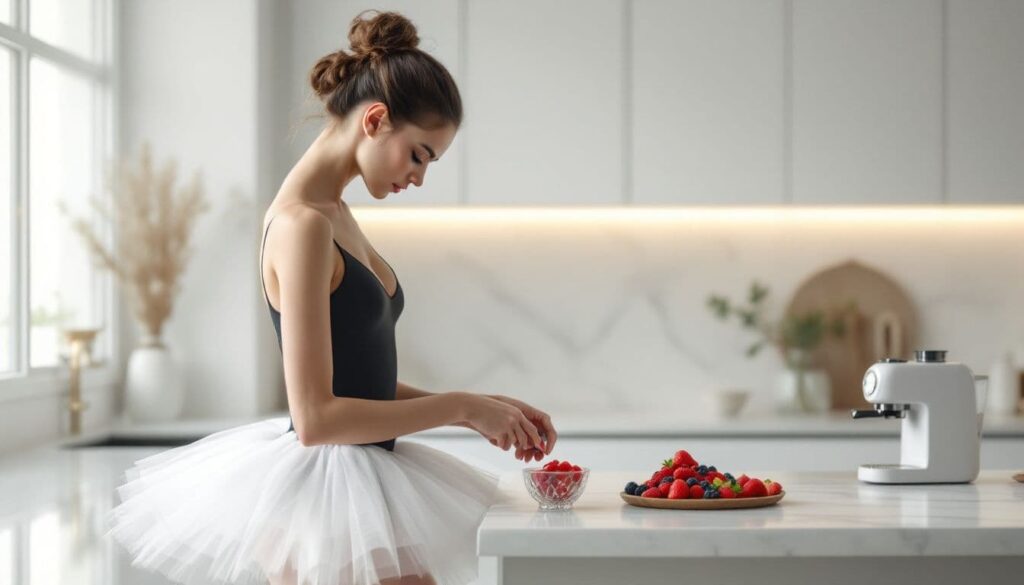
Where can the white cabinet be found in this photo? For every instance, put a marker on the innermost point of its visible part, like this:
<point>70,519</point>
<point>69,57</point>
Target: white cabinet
<point>544,102</point>
<point>318,27</point>
<point>867,101</point>
<point>707,102</point>
<point>606,102</point>
<point>986,101</point>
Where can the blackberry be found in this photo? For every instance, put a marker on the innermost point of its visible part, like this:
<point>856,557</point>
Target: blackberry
<point>691,481</point>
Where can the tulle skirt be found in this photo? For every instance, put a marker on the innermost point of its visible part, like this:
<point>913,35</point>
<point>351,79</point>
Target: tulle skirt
<point>252,504</point>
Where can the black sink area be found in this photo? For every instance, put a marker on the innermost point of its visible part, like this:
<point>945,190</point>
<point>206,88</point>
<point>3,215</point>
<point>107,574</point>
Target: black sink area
<point>130,441</point>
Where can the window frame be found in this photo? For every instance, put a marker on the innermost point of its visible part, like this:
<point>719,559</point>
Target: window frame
<point>26,382</point>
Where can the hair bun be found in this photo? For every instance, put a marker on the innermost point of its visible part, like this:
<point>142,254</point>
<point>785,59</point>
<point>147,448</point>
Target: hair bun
<point>387,32</point>
<point>328,72</point>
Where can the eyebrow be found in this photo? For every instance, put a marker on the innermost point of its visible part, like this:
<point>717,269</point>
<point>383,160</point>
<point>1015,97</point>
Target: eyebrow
<point>430,150</point>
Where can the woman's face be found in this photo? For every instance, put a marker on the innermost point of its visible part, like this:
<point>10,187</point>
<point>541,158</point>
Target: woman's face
<point>391,159</point>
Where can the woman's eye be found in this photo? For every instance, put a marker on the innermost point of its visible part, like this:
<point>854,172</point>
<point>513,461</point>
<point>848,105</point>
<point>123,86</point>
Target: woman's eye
<point>415,158</point>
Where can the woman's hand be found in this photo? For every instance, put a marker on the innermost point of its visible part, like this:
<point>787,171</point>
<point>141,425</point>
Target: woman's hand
<point>502,423</point>
<point>543,423</point>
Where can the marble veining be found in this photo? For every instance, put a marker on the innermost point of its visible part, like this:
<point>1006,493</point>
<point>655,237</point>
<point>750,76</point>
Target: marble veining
<point>600,316</point>
<point>824,514</point>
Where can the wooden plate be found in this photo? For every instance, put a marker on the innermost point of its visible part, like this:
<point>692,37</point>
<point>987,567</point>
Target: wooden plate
<point>885,324</point>
<point>1019,477</point>
<point>701,504</point>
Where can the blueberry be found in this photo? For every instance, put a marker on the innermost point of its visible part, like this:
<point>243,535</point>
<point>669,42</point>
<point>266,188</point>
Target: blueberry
<point>630,487</point>
<point>639,490</point>
<point>729,476</point>
<point>712,468</point>
<point>702,469</point>
<point>708,494</point>
<point>691,481</point>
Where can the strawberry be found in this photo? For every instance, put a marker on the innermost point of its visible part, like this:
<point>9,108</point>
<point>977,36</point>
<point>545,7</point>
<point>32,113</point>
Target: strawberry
<point>665,487</point>
<point>742,479</point>
<point>679,490</point>
<point>726,492</point>
<point>652,493</point>
<point>684,472</point>
<point>683,458</point>
<point>659,475</point>
<point>754,488</point>
<point>714,474</point>
<point>696,491</point>
<point>774,488</point>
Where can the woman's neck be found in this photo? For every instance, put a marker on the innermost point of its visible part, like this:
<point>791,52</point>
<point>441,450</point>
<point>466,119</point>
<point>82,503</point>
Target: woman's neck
<point>327,166</point>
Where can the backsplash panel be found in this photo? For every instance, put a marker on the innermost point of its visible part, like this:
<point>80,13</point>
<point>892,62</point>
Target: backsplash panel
<point>597,312</point>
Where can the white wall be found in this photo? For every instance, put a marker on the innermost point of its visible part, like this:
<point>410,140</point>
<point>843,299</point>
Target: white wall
<point>222,87</point>
<point>191,88</point>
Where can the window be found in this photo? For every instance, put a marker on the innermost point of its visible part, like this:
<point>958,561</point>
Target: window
<point>55,129</point>
<point>6,215</point>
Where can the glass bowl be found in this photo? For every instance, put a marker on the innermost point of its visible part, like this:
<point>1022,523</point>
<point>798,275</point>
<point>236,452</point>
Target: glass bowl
<point>555,490</point>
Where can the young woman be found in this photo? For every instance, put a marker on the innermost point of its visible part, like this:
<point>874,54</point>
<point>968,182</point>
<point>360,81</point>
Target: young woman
<point>329,496</point>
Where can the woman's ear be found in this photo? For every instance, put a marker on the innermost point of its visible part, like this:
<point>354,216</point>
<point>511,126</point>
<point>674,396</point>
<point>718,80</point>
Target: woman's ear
<point>376,119</point>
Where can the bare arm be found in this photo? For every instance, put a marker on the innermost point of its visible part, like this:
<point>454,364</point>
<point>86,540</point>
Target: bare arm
<point>404,391</point>
<point>358,420</point>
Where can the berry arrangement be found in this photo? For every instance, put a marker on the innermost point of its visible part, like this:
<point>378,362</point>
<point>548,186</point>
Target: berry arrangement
<point>681,477</point>
<point>555,484</point>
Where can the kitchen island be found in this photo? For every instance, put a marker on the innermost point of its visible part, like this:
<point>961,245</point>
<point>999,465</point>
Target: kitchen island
<point>829,528</point>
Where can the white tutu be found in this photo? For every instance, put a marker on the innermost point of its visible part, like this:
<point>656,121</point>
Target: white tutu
<point>251,503</point>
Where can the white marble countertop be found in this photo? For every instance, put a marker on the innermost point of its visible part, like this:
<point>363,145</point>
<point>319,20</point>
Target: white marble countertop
<point>599,425</point>
<point>822,515</point>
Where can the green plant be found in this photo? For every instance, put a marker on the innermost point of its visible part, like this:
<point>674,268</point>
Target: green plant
<point>803,332</point>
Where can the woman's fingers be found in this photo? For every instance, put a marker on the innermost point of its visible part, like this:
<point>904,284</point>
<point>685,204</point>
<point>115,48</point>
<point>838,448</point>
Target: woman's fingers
<point>534,434</point>
<point>522,439</point>
<point>549,430</point>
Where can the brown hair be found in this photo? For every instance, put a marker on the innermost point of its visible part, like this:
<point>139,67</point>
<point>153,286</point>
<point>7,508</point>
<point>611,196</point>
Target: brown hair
<point>385,65</point>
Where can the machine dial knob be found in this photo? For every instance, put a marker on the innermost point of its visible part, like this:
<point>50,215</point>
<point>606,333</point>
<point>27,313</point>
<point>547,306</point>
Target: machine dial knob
<point>936,356</point>
<point>870,383</point>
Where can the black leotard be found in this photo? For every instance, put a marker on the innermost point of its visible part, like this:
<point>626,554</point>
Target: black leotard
<point>363,318</point>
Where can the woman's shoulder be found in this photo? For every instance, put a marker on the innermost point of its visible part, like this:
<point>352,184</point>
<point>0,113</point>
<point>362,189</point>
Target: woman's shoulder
<point>301,219</point>
<point>301,234</point>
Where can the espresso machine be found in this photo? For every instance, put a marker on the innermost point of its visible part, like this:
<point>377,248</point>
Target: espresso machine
<point>940,404</point>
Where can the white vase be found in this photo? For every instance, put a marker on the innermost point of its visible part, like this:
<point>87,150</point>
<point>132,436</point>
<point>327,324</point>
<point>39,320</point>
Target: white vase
<point>815,396</point>
<point>802,388</point>
<point>153,388</point>
<point>1003,386</point>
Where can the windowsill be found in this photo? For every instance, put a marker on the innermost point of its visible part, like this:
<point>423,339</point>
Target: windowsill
<point>54,382</point>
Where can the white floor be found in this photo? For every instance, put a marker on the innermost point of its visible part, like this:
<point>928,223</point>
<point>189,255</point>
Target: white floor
<point>53,507</point>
